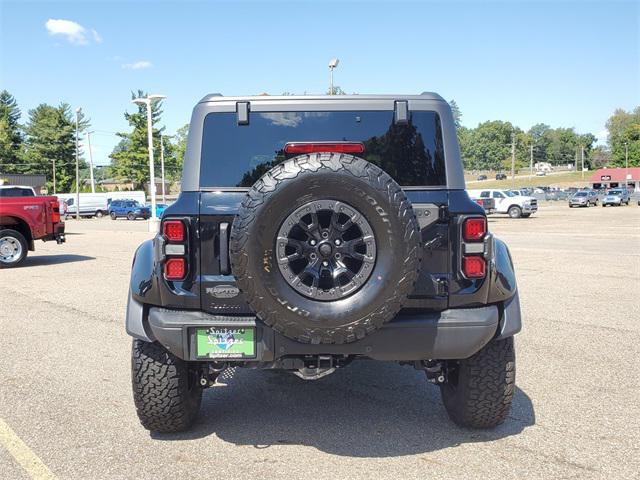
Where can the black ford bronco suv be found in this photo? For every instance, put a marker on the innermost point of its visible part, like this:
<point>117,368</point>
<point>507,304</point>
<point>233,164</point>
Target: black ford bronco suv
<point>313,231</point>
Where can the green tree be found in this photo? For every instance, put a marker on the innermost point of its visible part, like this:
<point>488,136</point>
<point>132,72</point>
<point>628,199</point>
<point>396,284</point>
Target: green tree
<point>457,114</point>
<point>49,138</point>
<point>489,145</point>
<point>180,145</point>
<point>10,133</point>
<point>130,158</point>
<point>624,137</point>
<point>599,157</point>
<point>540,140</point>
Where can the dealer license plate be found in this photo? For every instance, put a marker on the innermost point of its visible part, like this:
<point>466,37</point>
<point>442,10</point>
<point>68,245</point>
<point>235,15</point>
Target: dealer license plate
<point>226,342</point>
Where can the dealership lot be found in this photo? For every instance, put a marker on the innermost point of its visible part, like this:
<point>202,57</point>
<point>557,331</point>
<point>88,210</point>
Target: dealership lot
<point>65,391</point>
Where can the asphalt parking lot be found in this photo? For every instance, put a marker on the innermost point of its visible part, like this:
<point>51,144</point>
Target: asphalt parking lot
<point>66,407</point>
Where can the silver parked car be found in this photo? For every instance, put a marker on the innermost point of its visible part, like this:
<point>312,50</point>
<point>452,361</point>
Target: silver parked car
<point>618,197</point>
<point>583,198</point>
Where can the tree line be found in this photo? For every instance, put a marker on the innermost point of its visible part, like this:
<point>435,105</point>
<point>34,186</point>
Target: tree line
<point>47,139</point>
<point>489,146</point>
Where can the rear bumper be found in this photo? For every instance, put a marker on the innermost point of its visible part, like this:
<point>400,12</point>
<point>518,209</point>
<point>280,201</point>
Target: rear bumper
<point>451,334</point>
<point>57,235</point>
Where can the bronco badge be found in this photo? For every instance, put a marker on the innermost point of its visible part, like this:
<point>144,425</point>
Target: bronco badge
<point>223,291</point>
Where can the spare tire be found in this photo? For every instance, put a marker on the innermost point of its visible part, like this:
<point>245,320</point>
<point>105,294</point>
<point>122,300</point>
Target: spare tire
<point>326,248</point>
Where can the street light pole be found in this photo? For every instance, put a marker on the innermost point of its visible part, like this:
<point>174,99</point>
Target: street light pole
<point>162,166</point>
<point>148,101</point>
<point>93,185</point>
<point>531,165</point>
<point>78,110</point>
<point>332,65</point>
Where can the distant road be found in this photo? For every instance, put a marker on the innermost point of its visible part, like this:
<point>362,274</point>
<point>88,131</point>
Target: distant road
<point>562,172</point>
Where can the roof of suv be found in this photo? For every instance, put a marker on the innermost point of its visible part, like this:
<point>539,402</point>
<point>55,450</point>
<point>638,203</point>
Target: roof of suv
<point>217,97</point>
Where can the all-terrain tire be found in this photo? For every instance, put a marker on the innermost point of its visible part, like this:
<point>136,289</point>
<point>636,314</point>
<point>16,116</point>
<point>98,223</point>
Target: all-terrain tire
<point>318,177</point>
<point>166,392</point>
<point>480,388</point>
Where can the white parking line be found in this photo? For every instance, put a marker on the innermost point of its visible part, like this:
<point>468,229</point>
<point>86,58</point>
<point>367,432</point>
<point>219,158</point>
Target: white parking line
<point>23,454</point>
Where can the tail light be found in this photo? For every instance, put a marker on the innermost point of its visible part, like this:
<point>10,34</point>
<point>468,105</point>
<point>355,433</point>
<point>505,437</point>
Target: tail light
<point>474,229</point>
<point>173,230</point>
<point>337,147</point>
<point>175,268</point>
<point>55,211</point>
<point>175,249</point>
<point>474,266</point>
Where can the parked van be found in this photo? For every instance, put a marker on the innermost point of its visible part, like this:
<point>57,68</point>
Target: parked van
<point>97,204</point>
<point>91,205</point>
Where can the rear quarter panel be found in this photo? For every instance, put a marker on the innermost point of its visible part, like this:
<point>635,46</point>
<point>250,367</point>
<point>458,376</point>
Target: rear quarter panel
<point>34,211</point>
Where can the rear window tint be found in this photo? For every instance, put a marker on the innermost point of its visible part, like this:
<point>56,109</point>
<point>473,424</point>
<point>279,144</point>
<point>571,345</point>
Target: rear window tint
<point>237,155</point>
<point>16,192</point>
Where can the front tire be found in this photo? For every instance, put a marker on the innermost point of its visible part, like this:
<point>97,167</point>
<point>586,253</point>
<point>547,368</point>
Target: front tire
<point>479,390</point>
<point>165,388</point>
<point>131,216</point>
<point>514,211</point>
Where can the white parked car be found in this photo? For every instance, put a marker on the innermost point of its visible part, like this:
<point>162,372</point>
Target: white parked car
<point>515,206</point>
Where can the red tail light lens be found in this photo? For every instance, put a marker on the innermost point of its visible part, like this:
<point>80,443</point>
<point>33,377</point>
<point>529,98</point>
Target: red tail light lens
<point>341,147</point>
<point>474,267</point>
<point>474,229</point>
<point>173,230</point>
<point>55,211</point>
<point>175,269</point>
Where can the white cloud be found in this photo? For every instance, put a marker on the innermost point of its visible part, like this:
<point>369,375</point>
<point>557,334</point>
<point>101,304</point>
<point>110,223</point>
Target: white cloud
<point>72,31</point>
<point>286,119</point>
<point>139,65</point>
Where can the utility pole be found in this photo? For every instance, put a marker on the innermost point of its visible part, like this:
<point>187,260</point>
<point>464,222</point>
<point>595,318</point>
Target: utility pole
<point>626,164</point>
<point>513,159</point>
<point>531,163</point>
<point>582,159</point>
<point>162,166</point>
<point>93,185</point>
<point>78,110</point>
<point>54,175</point>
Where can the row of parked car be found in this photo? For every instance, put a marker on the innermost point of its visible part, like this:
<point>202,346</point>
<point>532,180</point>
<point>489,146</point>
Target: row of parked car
<point>615,197</point>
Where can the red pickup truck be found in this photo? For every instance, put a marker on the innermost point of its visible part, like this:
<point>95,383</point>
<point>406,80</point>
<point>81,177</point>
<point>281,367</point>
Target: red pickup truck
<point>24,220</point>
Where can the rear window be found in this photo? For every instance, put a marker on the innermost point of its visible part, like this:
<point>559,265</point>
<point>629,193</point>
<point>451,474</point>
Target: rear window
<point>16,192</point>
<point>237,155</point>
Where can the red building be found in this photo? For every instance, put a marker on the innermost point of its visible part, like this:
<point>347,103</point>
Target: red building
<point>615,177</point>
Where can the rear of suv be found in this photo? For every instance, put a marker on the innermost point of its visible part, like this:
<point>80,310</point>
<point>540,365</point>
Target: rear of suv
<point>314,231</point>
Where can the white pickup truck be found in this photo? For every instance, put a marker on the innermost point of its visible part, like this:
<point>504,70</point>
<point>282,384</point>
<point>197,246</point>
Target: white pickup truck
<point>516,206</point>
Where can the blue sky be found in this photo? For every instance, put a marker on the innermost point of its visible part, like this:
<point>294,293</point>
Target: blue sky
<point>563,63</point>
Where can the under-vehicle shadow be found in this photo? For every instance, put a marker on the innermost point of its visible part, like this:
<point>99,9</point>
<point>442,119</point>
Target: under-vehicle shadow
<point>54,259</point>
<point>369,409</point>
